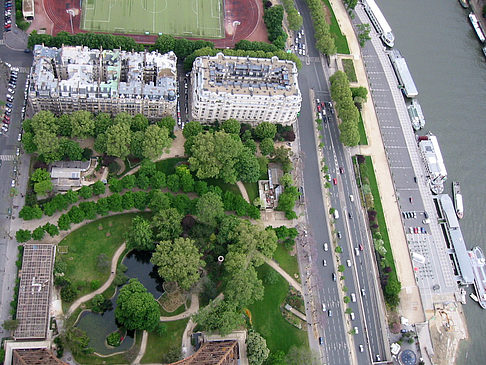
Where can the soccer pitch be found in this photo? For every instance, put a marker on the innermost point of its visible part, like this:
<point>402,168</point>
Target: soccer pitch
<point>186,18</point>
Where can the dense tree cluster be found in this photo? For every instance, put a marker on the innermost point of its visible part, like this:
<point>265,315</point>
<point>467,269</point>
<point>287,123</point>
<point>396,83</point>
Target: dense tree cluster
<point>182,47</point>
<point>121,136</point>
<point>350,4</point>
<point>91,40</point>
<point>348,113</point>
<point>324,38</point>
<point>273,18</point>
<point>293,16</point>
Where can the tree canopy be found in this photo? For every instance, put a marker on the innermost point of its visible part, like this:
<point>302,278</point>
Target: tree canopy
<point>257,348</point>
<point>139,235</point>
<point>219,315</point>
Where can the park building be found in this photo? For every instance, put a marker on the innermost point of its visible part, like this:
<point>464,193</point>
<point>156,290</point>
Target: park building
<point>247,89</point>
<point>72,78</point>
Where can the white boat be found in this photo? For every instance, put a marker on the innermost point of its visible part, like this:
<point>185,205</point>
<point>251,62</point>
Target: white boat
<point>478,263</point>
<point>379,22</point>
<point>434,163</point>
<point>477,27</point>
<point>456,191</point>
<point>416,115</point>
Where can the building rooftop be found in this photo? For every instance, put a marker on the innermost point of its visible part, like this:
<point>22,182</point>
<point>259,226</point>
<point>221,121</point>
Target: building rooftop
<point>245,75</point>
<point>34,291</point>
<point>84,72</point>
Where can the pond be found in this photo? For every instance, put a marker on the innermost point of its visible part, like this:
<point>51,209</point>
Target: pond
<point>99,326</point>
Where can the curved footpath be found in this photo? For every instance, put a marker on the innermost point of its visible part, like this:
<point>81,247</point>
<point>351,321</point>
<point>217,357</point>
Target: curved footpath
<point>101,289</point>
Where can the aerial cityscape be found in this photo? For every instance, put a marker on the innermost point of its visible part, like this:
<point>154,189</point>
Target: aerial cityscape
<point>242,182</point>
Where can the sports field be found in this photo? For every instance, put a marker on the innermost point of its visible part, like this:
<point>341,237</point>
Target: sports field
<point>188,18</point>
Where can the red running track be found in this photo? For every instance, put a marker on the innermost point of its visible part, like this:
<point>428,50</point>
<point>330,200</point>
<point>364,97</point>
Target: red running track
<point>247,12</point>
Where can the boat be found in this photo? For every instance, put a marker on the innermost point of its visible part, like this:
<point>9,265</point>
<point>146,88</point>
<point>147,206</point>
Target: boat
<point>434,163</point>
<point>379,22</point>
<point>464,3</point>
<point>458,204</point>
<point>484,51</point>
<point>416,115</point>
<point>403,74</point>
<point>478,263</point>
<point>474,297</point>
<point>477,27</point>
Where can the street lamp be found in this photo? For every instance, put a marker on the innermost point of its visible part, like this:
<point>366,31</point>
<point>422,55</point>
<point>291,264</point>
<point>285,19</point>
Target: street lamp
<point>235,25</point>
<point>71,14</point>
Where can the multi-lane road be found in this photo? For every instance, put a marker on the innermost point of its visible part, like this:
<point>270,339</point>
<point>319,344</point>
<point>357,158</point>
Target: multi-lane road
<point>337,348</point>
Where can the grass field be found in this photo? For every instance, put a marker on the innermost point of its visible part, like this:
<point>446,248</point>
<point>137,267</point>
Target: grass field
<point>189,18</point>
<point>287,261</point>
<point>157,346</point>
<point>362,133</point>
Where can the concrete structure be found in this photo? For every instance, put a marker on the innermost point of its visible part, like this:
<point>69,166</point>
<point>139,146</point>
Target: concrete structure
<point>67,79</point>
<point>34,291</point>
<point>247,89</point>
<point>222,352</point>
<point>28,9</point>
<point>13,346</point>
<point>66,175</point>
<point>269,190</point>
<point>35,357</point>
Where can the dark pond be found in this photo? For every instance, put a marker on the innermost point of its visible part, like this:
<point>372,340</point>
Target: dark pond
<point>99,326</point>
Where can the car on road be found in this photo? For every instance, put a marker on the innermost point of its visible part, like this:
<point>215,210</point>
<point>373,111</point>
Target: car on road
<point>348,263</point>
<point>12,184</point>
<point>324,263</point>
<point>329,313</point>
<point>378,358</point>
<point>324,307</point>
<point>356,251</point>
<point>318,108</point>
<point>426,215</point>
<point>19,138</point>
<point>352,316</point>
<point>17,152</point>
<point>334,181</point>
<point>361,348</point>
<point>351,197</point>
<point>422,230</point>
<point>341,170</point>
<point>356,330</point>
<point>353,297</point>
<point>410,199</point>
<point>325,246</point>
<point>339,234</point>
<point>334,276</point>
<point>350,215</point>
<point>321,341</point>
<point>363,292</point>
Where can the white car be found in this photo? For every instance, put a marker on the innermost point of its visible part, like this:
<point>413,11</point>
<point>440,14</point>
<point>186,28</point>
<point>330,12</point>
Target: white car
<point>19,138</point>
<point>18,151</point>
<point>361,348</point>
<point>326,247</point>
<point>348,262</point>
<point>323,307</point>
<point>356,330</point>
<point>13,183</point>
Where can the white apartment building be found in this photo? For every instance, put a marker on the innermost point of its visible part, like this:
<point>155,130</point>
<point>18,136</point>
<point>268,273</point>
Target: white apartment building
<point>69,78</point>
<point>247,89</point>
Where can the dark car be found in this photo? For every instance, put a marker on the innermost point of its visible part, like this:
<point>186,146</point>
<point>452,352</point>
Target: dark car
<point>341,170</point>
<point>321,340</point>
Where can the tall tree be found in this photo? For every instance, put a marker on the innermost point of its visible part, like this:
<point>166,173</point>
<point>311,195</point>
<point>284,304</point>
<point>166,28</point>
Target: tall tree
<point>82,124</point>
<point>118,139</point>
<point>257,348</point>
<point>139,235</point>
<point>219,315</point>
<point>156,141</point>
<point>136,308</point>
<point>266,130</point>
<point>178,261</point>
<point>166,224</point>
<point>231,126</point>
<point>192,129</point>
<point>243,286</point>
<point>210,208</point>
<point>247,166</point>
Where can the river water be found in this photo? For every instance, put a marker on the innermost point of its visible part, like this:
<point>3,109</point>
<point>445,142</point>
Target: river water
<point>449,69</point>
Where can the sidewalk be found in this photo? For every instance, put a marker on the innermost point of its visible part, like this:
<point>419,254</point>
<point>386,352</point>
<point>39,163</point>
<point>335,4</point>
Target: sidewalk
<point>192,310</point>
<point>410,301</point>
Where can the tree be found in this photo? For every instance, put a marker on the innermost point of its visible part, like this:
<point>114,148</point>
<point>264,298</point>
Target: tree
<point>256,348</point>
<point>251,145</point>
<point>136,308</point>
<point>265,130</point>
<point>210,208</point>
<point>102,122</point>
<point>247,166</point>
<point>129,181</point>
<point>185,178</point>
<point>115,185</point>
<point>243,286</point>
<point>40,175</point>
<point>267,146</point>
<point>70,150</point>
<point>86,192</point>
<point>23,235</point>
<point>156,141</point>
<point>139,123</point>
<point>158,181</point>
<point>77,340</point>
<point>139,235</point>
<point>38,233</point>
<point>158,201</point>
<point>301,355</point>
<point>178,261</point>
<point>219,315</point>
<point>166,224</point>
<point>363,31</point>
<point>231,126</point>
<point>98,188</point>
<point>118,139</point>
<point>28,213</point>
<point>136,144</point>
<point>192,129</point>
<point>287,199</point>
<point>51,229</point>
<point>350,4</point>
<point>10,324</point>
<point>214,155</point>
<point>168,123</point>
<point>143,181</point>
<point>43,187</point>
<point>174,183</point>
<point>82,124</point>
<point>100,143</point>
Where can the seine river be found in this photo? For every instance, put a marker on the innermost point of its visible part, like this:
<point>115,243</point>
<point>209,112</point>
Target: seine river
<point>449,69</point>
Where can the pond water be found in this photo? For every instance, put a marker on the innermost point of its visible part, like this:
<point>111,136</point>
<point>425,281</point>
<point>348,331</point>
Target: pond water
<point>99,326</point>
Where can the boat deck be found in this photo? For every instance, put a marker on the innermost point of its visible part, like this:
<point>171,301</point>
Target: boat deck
<point>478,266</point>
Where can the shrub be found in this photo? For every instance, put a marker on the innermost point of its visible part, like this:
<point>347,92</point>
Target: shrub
<point>114,339</point>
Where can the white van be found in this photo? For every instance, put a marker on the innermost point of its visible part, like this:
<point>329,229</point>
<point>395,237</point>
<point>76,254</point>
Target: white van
<point>352,316</point>
<point>336,214</point>
<point>356,330</point>
<point>353,297</point>
<point>418,258</point>
<point>351,197</point>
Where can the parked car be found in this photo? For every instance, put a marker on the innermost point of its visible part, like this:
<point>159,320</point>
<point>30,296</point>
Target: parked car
<point>321,340</point>
<point>334,181</point>
<point>361,348</point>
<point>348,263</point>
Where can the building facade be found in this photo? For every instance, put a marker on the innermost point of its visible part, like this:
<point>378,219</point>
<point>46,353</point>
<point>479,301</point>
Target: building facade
<point>69,78</point>
<point>247,89</point>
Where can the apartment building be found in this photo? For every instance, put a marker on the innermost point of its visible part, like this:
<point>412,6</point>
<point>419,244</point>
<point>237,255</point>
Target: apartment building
<point>70,78</point>
<point>247,89</point>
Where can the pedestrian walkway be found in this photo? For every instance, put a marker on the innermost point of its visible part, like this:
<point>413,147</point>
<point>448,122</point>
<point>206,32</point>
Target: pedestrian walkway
<point>7,157</point>
<point>298,314</point>
<point>192,310</point>
<point>85,298</point>
<point>284,274</point>
<point>143,347</point>
<point>243,191</point>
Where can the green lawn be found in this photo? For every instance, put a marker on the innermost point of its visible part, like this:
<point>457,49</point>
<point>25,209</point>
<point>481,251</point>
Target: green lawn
<point>85,244</point>
<point>179,310</point>
<point>268,320</point>
<point>340,38</point>
<point>362,133</point>
<point>286,261</point>
<point>168,166</point>
<point>189,18</point>
<point>252,190</point>
<point>379,216</point>
<point>157,345</point>
<point>348,66</point>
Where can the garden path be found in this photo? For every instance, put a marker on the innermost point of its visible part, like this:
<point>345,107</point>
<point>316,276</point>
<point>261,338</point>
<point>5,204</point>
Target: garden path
<point>143,347</point>
<point>192,310</point>
<point>282,272</point>
<point>243,191</point>
<point>101,289</point>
